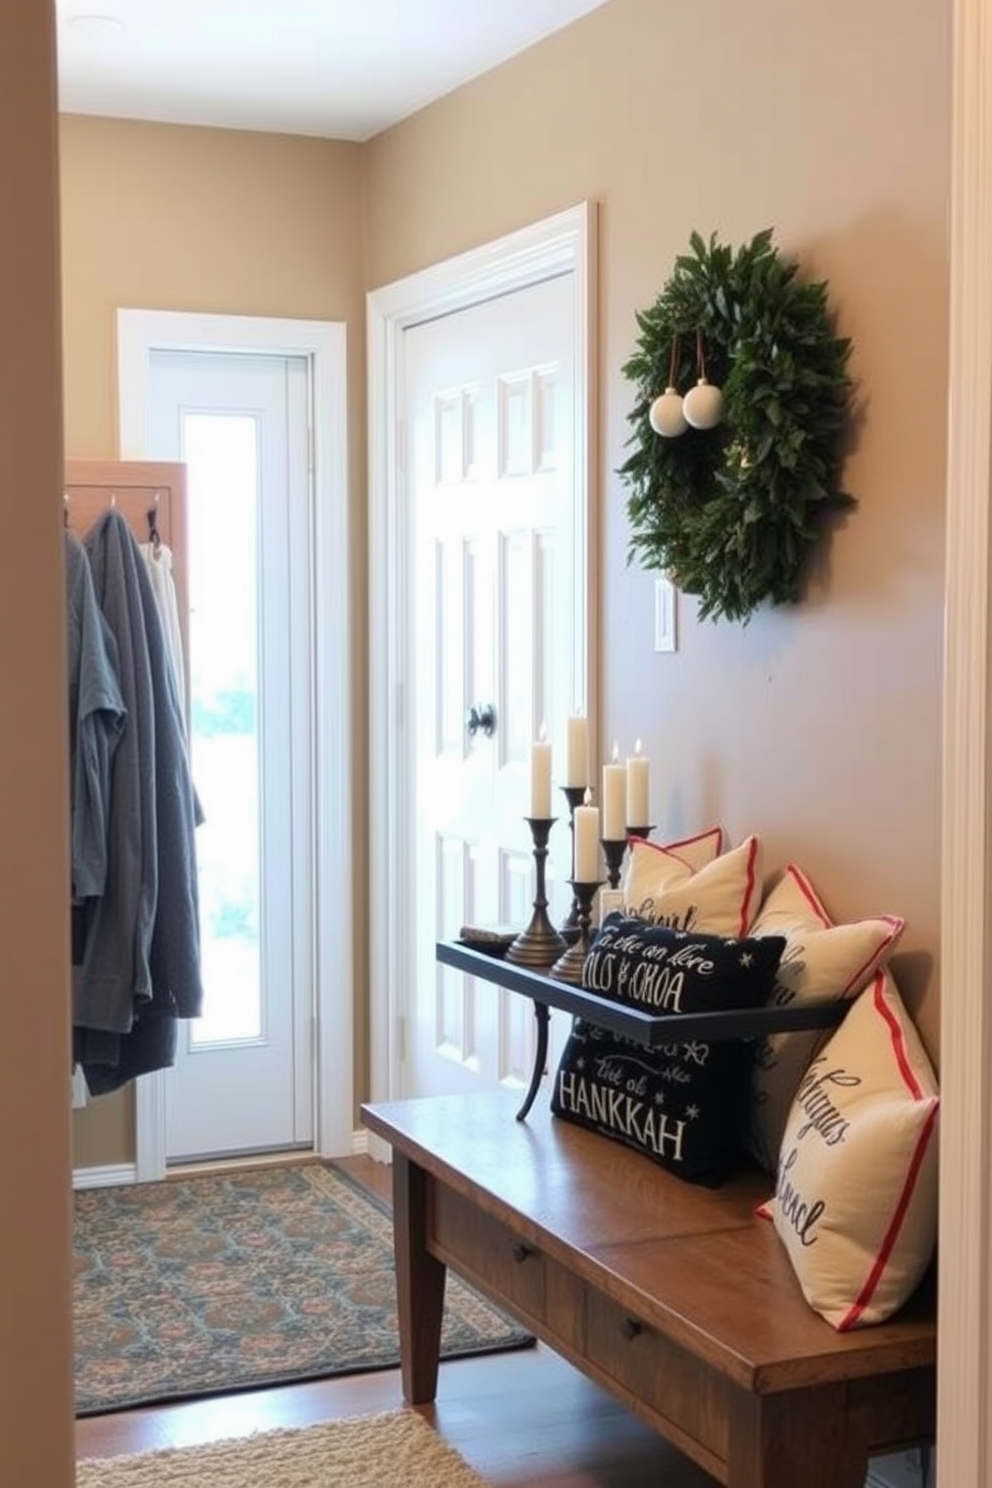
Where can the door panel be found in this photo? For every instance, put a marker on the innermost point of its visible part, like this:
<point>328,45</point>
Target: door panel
<point>490,423</point>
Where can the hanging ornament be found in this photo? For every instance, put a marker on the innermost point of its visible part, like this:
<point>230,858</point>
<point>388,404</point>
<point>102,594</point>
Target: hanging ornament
<point>665,415</point>
<point>702,405</point>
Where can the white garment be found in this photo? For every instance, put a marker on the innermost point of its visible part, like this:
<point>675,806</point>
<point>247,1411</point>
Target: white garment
<point>158,561</point>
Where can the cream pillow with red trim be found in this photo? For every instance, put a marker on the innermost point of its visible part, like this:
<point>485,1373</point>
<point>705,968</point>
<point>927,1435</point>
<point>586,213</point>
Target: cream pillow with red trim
<point>823,962</point>
<point>721,897</point>
<point>855,1201</point>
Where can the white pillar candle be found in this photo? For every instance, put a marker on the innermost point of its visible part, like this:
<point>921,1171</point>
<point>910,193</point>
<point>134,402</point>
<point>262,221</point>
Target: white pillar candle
<point>614,799</point>
<point>577,752</point>
<point>540,777</point>
<point>586,824</point>
<point>638,789</point>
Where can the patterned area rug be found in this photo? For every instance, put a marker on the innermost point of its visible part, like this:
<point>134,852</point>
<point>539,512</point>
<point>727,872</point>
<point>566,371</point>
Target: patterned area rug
<point>395,1449</point>
<point>198,1286</point>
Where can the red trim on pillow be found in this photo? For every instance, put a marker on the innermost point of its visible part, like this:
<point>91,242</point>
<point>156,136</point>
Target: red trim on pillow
<point>810,895</point>
<point>764,1209</point>
<point>672,848</point>
<point>851,1318</point>
<point>750,883</point>
<point>898,1042</point>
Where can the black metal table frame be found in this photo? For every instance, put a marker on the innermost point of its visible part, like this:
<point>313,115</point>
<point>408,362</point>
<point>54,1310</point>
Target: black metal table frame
<point>650,1029</point>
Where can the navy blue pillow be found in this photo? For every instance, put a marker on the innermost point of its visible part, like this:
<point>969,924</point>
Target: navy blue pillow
<point>683,1104</point>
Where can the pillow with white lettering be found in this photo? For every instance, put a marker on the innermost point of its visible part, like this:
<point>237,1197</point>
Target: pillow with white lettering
<point>722,897</point>
<point>683,1103</point>
<point>855,1200</point>
<point>822,962</point>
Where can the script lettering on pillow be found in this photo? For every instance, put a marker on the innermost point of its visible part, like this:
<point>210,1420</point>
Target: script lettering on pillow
<point>822,962</point>
<point>683,1103</point>
<point>855,1200</point>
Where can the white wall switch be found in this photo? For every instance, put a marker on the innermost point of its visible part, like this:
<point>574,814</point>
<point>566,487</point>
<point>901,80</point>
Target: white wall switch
<point>664,616</point>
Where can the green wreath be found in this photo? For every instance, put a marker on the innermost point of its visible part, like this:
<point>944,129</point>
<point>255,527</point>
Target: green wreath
<point>731,512</point>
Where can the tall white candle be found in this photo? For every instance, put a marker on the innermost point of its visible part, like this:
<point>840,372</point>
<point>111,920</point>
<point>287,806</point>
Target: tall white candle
<point>586,823</point>
<point>540,777</point>
<point>577,751</point>
<point>614,799</point>
<point>638,789</point>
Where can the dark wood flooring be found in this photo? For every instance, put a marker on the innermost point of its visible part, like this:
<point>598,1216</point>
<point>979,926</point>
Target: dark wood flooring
<point>523,1420</point>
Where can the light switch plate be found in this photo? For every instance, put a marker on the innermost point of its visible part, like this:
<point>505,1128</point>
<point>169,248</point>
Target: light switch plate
<point>664,616</point>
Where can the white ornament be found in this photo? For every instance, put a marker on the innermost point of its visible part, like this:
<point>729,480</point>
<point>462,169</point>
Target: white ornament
<point>666,416</point>
<point>703,405</point>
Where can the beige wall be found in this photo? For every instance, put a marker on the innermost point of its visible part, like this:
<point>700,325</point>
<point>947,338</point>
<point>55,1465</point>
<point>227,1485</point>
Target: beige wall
<point>171,218</point>
<point>35,1296</point>
<point>818,726</point>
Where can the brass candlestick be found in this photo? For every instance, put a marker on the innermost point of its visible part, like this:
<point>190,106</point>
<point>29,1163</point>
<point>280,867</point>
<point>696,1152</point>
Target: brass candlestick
<point>613,851</point>
<point>574,795</point>
<point>568,968</point>
<point>540,944</point>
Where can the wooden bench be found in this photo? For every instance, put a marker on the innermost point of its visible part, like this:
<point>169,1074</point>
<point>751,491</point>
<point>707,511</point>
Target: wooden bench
<point>676,1299</point>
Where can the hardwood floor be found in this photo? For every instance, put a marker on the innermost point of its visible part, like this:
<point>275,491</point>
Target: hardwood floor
<point>523,1420</point>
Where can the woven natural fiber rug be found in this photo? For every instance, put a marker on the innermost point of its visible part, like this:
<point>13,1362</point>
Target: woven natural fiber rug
<point>396,1449</point>
<point>202,1285</point>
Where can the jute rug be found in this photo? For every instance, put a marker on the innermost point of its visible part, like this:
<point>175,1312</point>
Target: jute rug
<point>396,1449</point>
<point>202,1285</point>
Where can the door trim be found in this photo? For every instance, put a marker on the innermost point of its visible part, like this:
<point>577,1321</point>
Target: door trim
<point>564,243</point>
<point>964,1434</point>
<point>323,344</point>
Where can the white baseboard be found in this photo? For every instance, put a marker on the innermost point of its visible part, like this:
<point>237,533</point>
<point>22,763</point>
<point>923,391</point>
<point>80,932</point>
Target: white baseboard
<point>104,1177</point>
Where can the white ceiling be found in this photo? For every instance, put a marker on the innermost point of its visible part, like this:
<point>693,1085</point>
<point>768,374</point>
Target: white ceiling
<point>343,69</point>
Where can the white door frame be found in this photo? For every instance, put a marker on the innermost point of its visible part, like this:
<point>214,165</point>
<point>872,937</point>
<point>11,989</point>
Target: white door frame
<point>322,343</point>
<point>564,243</point>
<point>964,1384</point>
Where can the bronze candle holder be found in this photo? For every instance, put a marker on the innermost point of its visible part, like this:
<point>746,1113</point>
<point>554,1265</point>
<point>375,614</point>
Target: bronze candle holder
<point>574,795</point>
<point>568,968</point>
<point>540,944</point>
<point>613,851</point>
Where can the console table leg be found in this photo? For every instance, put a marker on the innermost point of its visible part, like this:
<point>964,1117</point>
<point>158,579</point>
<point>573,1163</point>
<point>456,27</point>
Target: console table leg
<point>543,1015</point>
<point>419,1284</point>
<point>800,1436</point>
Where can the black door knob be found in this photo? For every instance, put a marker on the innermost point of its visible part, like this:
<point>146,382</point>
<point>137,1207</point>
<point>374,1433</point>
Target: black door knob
<point>481,716</point>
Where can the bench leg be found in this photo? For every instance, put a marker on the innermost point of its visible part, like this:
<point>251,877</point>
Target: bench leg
<point>801,1437</point>
<point>419,1284</point>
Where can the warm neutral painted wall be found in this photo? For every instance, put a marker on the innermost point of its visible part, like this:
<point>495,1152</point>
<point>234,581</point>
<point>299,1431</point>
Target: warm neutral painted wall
<point>36,1443</point>
<point>220,221</point>
<point>817,726</point>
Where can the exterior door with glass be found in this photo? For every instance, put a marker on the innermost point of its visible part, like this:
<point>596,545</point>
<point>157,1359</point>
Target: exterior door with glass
<point>243,1080</point>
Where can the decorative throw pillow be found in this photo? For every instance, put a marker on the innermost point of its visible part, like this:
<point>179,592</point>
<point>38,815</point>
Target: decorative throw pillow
<point>855,1201</point>
<point>721,898</point>
<point>822,962</point>
<point>695,851</point>
<point>684,1104</point>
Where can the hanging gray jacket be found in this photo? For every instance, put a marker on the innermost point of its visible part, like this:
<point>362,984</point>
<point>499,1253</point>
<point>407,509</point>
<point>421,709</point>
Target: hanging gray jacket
<point>142,952</point>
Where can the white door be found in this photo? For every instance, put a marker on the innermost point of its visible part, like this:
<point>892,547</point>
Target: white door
<point>243,1079</point>
<point>490,418</point>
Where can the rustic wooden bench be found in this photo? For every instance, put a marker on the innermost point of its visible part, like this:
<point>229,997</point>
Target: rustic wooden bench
<point>676,1299</point>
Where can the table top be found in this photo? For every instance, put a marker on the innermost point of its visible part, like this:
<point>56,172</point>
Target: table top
<point>650,1029</point>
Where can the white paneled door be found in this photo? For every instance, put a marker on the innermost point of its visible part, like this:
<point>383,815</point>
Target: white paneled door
<point>498,651</point>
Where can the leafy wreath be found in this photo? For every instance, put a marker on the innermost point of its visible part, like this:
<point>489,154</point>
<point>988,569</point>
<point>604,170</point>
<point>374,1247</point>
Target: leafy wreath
<point>731,512</point>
